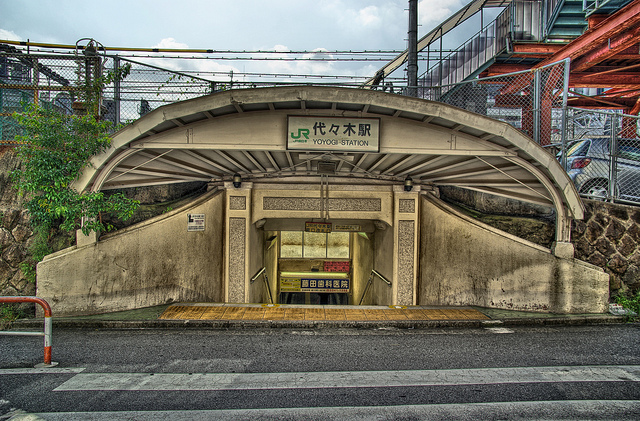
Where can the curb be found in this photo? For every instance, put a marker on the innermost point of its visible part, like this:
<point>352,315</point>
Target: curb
<point>311,324</point>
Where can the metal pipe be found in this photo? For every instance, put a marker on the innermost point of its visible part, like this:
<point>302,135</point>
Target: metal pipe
<point>379,275</point>
<point>8,332</point>
<point>47,323</point>
<point>412,56</point>
<point>266,282</point>
<point>257,275</point>
<point>366,288</point>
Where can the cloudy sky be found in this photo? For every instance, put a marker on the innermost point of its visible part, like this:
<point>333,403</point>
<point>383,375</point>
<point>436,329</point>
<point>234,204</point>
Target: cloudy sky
<point>282,25</point>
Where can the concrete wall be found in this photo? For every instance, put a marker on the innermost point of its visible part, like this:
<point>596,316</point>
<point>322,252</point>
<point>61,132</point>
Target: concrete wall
<point>466,263</point>
<point>383,263</point>
<point>362,258</point>
<point>151,263</point>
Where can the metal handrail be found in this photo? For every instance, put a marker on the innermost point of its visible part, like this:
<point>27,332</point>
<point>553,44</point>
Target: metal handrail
<point>47,324</point>
<point>373,274</point>
<point>263,271</point>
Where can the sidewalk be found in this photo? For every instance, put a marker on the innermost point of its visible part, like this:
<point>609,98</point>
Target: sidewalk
<point>248,316</point>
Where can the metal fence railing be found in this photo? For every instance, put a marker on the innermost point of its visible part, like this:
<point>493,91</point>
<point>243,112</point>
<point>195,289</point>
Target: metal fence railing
<point>59,81</point>
<point>602,154</point>
<point>532,101</point>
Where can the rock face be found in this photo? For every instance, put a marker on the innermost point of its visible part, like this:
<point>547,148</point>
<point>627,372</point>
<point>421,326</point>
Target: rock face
<point>609,237</point>
<point>15,230</point>
<point>530,222</point>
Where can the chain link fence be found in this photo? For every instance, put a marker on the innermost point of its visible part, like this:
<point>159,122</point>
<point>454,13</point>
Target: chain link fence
<point>59,82</point>
<point>602,154</point>
<point>532,101</point>
<point>599,150</point>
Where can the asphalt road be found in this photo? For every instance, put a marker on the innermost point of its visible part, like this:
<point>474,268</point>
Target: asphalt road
<point>585,372</point>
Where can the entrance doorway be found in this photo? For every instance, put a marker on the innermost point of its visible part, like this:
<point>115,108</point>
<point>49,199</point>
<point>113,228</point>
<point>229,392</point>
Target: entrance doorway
<point>320,268</point>
<point>314,268</point>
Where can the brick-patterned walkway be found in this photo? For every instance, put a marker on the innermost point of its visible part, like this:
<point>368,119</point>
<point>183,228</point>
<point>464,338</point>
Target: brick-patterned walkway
<point>321,313</point>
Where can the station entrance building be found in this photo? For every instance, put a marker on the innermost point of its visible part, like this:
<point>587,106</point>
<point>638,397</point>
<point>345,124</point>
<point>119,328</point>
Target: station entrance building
<point>324,196</point>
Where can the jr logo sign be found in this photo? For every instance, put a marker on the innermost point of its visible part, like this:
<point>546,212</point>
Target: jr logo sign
<point>301,132</point>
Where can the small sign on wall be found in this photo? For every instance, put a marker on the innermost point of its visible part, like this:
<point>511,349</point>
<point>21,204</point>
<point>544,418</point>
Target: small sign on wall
<point>337,266</point>
<point>195,222</point>
<point>317,226</point>
<point>348,228</point>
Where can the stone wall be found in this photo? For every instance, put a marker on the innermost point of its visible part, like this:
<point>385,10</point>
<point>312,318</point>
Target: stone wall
<point>16,234</point>
<point>608,237</point>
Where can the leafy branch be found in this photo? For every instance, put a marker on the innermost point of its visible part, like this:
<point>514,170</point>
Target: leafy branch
<point>55,149</point>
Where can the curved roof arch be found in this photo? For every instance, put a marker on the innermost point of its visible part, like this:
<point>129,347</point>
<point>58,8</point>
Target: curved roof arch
<point>244,131</point>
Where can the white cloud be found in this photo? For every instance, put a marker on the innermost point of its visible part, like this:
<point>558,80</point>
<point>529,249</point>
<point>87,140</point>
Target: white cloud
<point>9,35</point>
<point>434,12</point>
<point>369,16</point>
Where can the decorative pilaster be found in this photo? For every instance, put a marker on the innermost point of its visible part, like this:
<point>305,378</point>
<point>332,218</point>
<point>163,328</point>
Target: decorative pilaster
<point>238,216</point>
<point>405,223</point>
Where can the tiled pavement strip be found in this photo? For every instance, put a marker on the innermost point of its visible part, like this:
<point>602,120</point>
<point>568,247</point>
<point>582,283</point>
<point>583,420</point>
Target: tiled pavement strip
<point>316,313</point>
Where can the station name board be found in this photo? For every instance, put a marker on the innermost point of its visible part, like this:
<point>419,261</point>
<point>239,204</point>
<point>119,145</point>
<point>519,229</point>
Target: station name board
<point>333,134</point>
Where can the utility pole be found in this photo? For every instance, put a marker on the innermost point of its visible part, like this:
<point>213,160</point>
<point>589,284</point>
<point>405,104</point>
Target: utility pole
<point>412,57</point>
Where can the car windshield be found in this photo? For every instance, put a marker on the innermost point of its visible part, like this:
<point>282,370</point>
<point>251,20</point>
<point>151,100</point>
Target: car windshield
<point>629,148</point>
<point>577,149</point>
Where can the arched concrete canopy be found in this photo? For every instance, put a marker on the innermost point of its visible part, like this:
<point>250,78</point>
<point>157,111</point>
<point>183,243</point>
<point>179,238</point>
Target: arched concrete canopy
<point>244,131</point>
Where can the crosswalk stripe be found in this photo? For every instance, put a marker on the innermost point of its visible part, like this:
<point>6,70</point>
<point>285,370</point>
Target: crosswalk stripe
<point>347,379</point>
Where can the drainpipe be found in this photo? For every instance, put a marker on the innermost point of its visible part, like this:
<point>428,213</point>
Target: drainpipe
<point>412,57</point>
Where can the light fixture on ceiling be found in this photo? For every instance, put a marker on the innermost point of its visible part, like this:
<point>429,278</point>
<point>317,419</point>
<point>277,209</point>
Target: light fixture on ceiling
<point>237,181</point>
<point>408,184</point>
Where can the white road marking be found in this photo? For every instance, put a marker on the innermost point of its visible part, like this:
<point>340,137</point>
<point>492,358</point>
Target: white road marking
<point>583,409</point>
<point>499,329</point>
<point>347,379</point>
<point>43,370</point>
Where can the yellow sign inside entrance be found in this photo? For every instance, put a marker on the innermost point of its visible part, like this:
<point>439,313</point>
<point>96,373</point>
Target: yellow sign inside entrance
<point>314,282</point>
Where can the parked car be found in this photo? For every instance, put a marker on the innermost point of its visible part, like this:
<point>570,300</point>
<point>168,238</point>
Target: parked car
<point>589,163</point>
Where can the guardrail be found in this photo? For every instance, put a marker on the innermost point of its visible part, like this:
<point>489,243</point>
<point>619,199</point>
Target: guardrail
<point>255,277</point>
<point>47,324</point>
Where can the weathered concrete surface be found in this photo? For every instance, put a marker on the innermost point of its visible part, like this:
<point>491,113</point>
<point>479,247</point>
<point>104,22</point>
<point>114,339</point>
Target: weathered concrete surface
<point>464,262</point>
<point>147,264</point>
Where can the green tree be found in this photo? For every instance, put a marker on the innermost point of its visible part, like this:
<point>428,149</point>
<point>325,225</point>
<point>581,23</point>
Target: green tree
<point>55,148</point>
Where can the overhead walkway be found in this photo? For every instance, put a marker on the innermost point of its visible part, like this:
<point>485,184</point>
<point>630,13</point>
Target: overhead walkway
<point>533,22</point>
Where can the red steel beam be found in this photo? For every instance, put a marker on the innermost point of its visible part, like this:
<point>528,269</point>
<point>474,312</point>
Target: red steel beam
<point>535,50</point>
<point>622,21</point>
<point>606,50</point>
<point>624,80</point>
